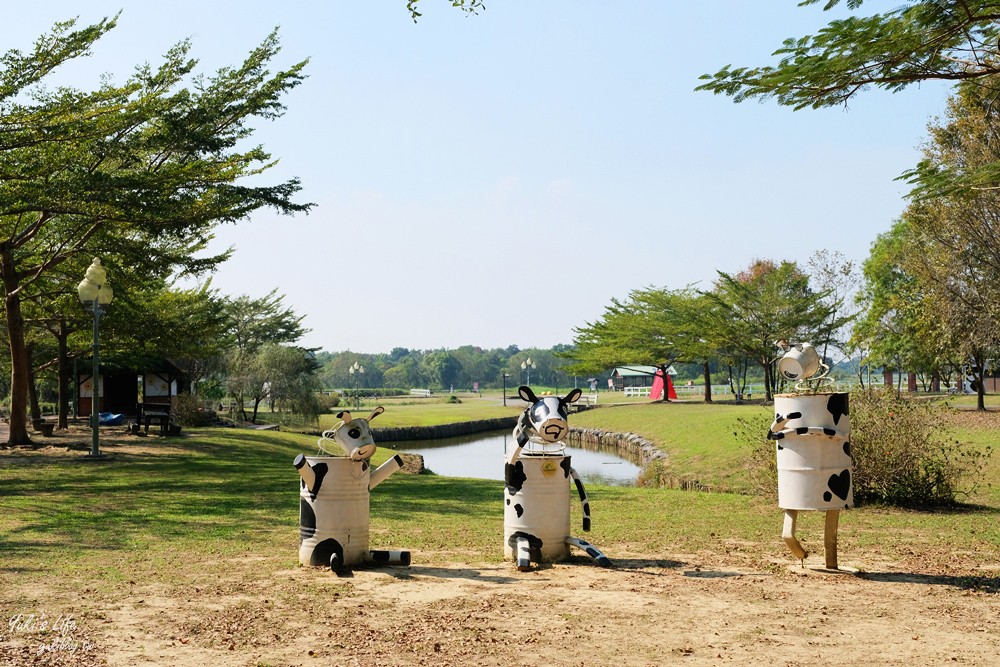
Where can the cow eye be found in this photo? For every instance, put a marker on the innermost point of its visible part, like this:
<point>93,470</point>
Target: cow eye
<point>354,433</point>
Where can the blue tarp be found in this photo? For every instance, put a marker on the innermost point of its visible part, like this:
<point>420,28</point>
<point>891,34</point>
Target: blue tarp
<point>109,418</point>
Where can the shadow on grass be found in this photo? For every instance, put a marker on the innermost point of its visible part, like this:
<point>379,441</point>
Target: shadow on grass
<point>227,485</point>
<point>972,583</point>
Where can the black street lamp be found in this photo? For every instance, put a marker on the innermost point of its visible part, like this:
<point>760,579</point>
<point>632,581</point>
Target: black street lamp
<point>95,294</point>
<point>505,376</point>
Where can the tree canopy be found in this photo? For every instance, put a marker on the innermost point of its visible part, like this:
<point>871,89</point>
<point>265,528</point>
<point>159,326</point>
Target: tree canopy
<point>133,172</point>
<point>945,40</point>
<point>951,40</point>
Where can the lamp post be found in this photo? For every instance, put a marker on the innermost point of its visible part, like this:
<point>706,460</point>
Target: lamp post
<point>527,365</point>
<point>505,376</point>
<point>95,294</point>
<point>356,371</point>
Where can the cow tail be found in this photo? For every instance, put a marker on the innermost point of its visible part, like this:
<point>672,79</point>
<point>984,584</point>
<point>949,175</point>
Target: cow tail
<point>583,499</point>
<point>591,550</point>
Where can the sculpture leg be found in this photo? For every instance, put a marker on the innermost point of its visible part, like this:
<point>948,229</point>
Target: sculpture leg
<point>591,550</point>
<point>390,557</point>
<point>523,554</point>
<point>788,534</point>
<point>830,538</point>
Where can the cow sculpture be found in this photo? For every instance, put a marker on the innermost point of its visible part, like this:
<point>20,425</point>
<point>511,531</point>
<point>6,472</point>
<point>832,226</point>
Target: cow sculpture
<point>812,435</point>
<point>536,494</point>
<point>334,498</point>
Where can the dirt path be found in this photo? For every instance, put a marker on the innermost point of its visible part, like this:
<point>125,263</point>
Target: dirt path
<point>695,610</point>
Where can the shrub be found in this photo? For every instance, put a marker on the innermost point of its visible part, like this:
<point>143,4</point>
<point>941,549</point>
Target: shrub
<point>453,399</point>
<point>188,411</point>
<point>328,401</point>
<point>901,456</point>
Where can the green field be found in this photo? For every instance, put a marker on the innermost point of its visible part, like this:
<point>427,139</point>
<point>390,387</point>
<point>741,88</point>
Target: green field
<point>227,492</point>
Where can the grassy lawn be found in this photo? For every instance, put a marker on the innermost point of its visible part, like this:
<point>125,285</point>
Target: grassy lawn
<point>226,492</point>
<point>432,411</point>
<point>698,436</point>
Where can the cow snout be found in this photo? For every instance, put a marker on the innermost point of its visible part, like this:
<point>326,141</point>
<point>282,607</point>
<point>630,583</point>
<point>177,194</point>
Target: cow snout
<point>554,429</point>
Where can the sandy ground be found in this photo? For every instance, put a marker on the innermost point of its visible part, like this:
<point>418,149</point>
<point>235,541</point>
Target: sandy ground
<point>694,611</point>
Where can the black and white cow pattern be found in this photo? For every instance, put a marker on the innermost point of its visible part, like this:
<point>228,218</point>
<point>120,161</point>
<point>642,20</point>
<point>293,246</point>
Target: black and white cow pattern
<point>333,520</point>
<point>355,435</point>
<point>531,476</point>
<point>812,440</point>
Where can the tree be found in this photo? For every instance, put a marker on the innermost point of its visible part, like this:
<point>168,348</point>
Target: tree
<point>951,40</point>
<point>955,238</point>
<point>290,378</point>
<point>650,328</point>
<point>948,40</point>
<point>255,322</point>
<point>765,303</point>
<point>839,279</point>
<point>471,6</point>
<point>144,168</point>
<point>442,369</point>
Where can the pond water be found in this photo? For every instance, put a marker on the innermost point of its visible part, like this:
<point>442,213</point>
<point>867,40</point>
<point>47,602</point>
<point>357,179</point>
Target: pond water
<point>481,456</point>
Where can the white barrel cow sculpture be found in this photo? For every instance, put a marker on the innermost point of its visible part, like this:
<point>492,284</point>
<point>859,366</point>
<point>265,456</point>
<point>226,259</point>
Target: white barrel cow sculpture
<point>812,434</point>
<point>334,499</point>
<point>537,492</point>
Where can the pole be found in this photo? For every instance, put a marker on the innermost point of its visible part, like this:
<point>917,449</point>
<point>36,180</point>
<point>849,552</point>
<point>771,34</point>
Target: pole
<point>505,402</point>
<point>95,449</point>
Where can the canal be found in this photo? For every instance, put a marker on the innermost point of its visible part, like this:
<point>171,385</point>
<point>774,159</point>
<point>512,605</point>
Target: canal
<point>481,456</point>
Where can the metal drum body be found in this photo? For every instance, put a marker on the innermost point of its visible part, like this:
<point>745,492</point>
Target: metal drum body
<point>536,504</point>
<point>814,455</point>
<point>337,518</point>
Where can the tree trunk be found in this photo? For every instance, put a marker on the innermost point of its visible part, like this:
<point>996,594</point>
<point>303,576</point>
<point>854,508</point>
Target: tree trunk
<point>64,375</point>
<point>768,395</point>
<point>33,407</point>
<point>18,356</point>
<point>979,376</point>
<point>708,382</point>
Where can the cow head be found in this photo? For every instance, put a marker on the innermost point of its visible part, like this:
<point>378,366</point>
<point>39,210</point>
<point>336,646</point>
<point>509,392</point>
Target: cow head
<point>355,436</point>
<point>548,414</point>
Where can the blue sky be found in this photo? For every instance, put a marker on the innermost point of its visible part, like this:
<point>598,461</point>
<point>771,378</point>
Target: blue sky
<point>497,179</point>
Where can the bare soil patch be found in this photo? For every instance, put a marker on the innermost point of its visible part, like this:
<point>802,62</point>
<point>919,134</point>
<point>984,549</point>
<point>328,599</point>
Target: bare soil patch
<point>691,609</point>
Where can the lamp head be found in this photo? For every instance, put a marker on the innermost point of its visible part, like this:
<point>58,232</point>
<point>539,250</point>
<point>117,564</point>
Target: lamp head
<point>94,288</point>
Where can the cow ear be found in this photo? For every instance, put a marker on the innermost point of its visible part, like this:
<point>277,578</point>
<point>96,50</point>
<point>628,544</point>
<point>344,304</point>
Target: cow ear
<point>525,392</point>
<point>345,416</point>
<point>573,396</point>
<point>376,412</point>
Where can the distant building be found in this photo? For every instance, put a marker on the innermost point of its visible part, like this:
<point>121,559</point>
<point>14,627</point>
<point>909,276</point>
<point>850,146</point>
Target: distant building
<point>635,376</point>
<point>120,390</point>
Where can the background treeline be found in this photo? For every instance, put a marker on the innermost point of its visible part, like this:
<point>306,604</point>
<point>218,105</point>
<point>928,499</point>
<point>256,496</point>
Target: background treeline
<point>458,369</point>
